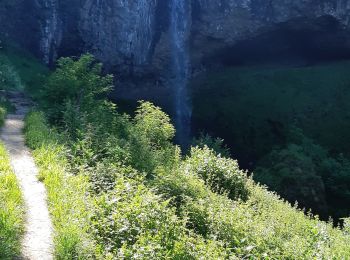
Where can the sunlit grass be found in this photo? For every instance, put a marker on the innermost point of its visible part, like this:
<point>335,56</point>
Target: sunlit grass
<point>11,210</point>
<point>67,194</point>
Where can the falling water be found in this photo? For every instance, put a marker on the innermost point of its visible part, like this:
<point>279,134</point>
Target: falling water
<point>50,30</point>
<point>180,30</point>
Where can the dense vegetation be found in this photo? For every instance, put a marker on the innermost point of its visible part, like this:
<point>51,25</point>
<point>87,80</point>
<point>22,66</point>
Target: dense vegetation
<point>289,125</point>
<point>11,210</point>
<point>119,188</point>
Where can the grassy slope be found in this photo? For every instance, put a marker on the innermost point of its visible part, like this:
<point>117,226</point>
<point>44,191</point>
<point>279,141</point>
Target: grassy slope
<point>188,209</point>
<point>315,98</point>
<point>11,210</point>
<point>262,224</point>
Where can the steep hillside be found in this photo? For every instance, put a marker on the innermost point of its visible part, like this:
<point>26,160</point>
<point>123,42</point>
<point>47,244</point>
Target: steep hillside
<point>119,188</point>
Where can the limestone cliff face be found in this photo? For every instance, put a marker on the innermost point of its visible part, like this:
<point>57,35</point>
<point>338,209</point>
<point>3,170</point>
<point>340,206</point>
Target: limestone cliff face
<point>119,32</point>
<point>133,37</point>
<point>136,33</point>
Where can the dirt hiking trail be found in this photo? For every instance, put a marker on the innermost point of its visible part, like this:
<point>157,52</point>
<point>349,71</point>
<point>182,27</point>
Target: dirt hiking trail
<point>37,241</point>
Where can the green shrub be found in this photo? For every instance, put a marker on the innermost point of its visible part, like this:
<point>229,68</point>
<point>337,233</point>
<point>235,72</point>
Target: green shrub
<point>153,123</point>
<point>262,226</point>
<point>133,223</point>
<point>76,84</point>
<point>105,174</point>
<point>11,210</point>
<point>221,174</point>
<point>9,78</point>
<point>19,69</point>
<point>216,144</point>
<point>150,142</point>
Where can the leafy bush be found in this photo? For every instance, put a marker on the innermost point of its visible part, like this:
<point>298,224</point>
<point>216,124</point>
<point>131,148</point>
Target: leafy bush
<point>216,144</point>
<point>77,85</point>
<point>9,78</point>
<point>133,223</point>
<point>293,175</point>
<point>153,123</point>
<point>105,174</point>
<point>11,210</point>
<point>151,138</point>
<point>221,174</point>
<point>19,69</point>
<point>261,227</point>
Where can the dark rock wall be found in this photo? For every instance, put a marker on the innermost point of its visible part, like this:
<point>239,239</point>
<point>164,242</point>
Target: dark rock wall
<point>132,37</point>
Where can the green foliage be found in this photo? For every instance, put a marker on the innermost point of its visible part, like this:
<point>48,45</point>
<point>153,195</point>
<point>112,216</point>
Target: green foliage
<point>9,78</point>
<point>261,227</point>
<point>105,174</point>
<point>304,171</point>
<point>151,138</point>
<point>67,194</point>
<point>77,85</point>
<point>221,174</point>
<point>11,210</point>
<point>121,193</point>
<point>154,124</point>
<point>131,222</point>
<point>119,189</point>
<point>216,144</point>
<point>254,107</point>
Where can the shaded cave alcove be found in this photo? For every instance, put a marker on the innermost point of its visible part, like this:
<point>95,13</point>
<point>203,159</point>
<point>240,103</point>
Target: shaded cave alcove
<point>298,42</point>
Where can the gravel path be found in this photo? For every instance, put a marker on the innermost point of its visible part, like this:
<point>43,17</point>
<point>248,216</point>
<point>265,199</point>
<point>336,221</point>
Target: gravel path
<point>37,241</point>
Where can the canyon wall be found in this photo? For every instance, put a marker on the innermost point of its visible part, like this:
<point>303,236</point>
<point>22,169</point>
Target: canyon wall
<point>135,39</point>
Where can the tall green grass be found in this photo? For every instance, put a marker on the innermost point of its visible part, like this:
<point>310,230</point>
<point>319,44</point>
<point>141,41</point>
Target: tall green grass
<point>67,194</point>
<point>11,210</point>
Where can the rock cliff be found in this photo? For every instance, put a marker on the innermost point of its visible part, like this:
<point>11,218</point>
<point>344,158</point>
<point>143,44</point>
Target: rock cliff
<point>134,38</point>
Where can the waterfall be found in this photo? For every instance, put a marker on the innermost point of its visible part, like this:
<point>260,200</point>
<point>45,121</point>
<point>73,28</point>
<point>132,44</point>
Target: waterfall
<point>180,26</point>
<point>50,30</point>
